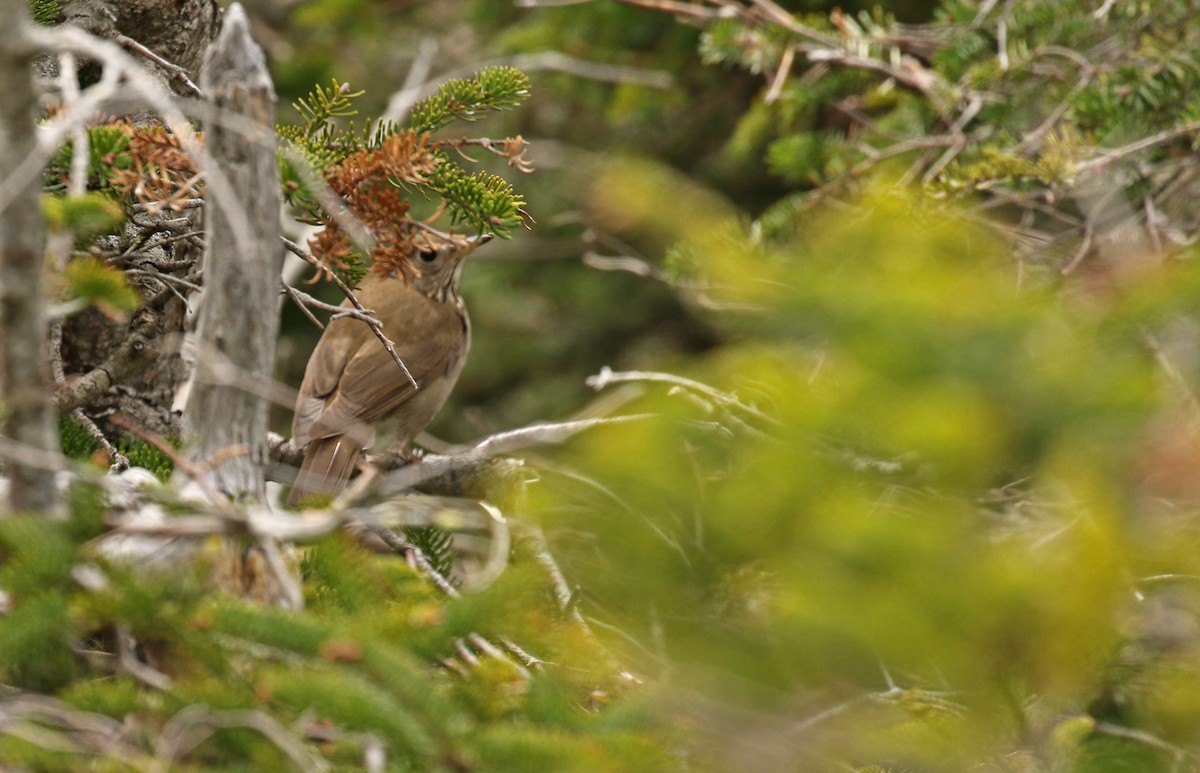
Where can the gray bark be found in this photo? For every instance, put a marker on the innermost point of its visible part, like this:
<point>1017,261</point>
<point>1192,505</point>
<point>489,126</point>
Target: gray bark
<point>26,414</point>
<point>177,30</point>
<point>239,320</point>
<point>135,370</point>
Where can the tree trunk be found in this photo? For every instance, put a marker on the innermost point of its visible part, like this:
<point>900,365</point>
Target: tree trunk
<point>179,31</point>
<point>239,319</point>
<point>136,366</point>
<point>26,414</point>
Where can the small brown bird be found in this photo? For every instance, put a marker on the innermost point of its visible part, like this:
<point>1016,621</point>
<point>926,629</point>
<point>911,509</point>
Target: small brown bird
<point>352,386</point>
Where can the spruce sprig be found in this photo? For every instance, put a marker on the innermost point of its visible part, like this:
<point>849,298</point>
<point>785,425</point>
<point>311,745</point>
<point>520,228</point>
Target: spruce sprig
<point>479,200</point>
<point>337,152</point>
<point>322,105</point>
<point>492,88</point>
<point>45,12</point>
<point>437,545</point>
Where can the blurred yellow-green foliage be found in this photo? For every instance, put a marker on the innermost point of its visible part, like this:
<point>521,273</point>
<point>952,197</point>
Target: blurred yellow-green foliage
<point>934,515</point>
<point>891,496</point>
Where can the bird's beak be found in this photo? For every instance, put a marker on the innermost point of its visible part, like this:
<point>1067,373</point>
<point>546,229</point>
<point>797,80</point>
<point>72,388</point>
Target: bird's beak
<point>481,239</point>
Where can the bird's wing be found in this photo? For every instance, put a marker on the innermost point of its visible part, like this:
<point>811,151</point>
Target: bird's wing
<point>342,339</point>
<point>372,385</point>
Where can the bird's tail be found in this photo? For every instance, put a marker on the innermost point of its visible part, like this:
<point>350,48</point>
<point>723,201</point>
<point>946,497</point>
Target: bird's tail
<point>327,465</point>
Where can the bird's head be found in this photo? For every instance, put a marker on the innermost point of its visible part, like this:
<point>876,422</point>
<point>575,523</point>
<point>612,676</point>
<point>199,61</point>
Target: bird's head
<point>439,262</point>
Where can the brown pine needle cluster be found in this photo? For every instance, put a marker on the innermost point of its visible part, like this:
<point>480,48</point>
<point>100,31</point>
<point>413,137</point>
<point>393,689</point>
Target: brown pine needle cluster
<point>161,175</point>
<point>514,150</point>
<point>369,185</point>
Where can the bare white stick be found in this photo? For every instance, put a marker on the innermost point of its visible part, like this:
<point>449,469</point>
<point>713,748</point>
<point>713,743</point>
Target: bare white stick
<point>24,354</point>
<point>238,320</point>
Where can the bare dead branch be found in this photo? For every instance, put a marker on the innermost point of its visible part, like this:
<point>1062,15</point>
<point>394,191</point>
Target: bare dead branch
<point>781,75</point>
<point>176,72</point>
<point>416,558</point>
<point>608,376</point>
<point>56,726</point>
<point>478,455</point>
<point>1116,154</point>
<point>140,671</point>
<point>236,328</point>
<point>119,460</point>
<point>196,723</point>
<point>25,379</point>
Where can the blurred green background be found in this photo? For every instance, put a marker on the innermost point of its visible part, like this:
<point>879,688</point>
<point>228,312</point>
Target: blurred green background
<point>544,321</point>
<point>906,357</point>
<point>893,307</point>
<point>938,510</point>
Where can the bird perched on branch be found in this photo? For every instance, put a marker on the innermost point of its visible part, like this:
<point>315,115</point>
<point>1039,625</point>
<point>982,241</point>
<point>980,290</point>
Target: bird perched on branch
<point>353,390</point>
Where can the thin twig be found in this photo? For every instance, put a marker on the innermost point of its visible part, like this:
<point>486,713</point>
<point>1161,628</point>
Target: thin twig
<point>411,475</point>
<point>194,724</point>
<point>176,207</point>
<point>1145,143</point>
<point>781,74</point>
<point>295,295</point>
<point>147,243</point>
<point>293,594</point>
<point>303,299</point>
<point>176,72</point>
<point>416,558</point>
<point>914,77</point>
<point>1142,737</point>
<point>680,8</point>
<point>562,590</point>
<point>147,675</point>
<point>529,661</point>
<point>1101,13</point>
<point>1087,72</point>
<point>1177,379</point>
<point>54,725</point>
<point>307,257</point>
<point>166,279</point>
<point>608,376</point>
<point>1080,253</point>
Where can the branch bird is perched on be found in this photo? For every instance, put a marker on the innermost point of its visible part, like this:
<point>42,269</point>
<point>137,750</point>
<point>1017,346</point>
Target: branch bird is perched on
<point>352,387</point>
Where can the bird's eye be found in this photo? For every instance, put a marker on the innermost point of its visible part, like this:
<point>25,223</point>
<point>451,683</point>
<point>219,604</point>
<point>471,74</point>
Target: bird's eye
<point>428,255</point>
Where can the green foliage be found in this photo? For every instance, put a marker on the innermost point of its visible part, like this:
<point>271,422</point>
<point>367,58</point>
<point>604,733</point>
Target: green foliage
<point>92,281</point>
<point>45,12</point>
<point>374,171</point>
<point>360,681</point>
<point>323,105</point>
<point>87,215</point>
<point>108,153</point>
<point>927,502</point>
<point>493,88</point>
<point>77,443</point>
<point>319,138</point>
<point>436,544</point>
<point>36,636</point>
<point>480,201</point>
